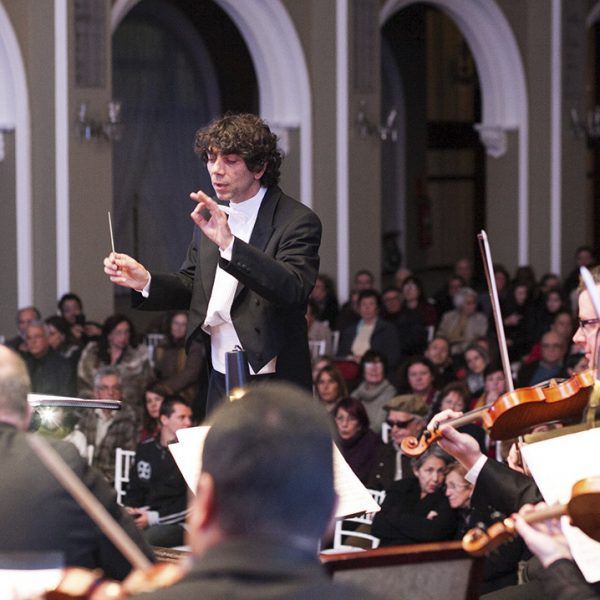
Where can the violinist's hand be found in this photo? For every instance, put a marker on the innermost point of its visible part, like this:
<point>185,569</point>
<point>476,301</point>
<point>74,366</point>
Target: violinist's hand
<point>214,223</point>
<point>126,271</point>
<point>463,447</point>
<point>545,539</point>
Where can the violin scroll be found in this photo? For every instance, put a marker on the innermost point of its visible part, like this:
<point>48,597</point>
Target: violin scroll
<point>413,447</point>
<point>480,542</point>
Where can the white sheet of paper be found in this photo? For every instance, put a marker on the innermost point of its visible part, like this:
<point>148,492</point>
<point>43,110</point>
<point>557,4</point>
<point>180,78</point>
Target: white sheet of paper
<point>353,496</point>
<point>556,465</point>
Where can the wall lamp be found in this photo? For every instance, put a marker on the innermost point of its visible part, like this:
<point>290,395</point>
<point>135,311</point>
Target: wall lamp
<point>365,128</point>
<point>90,129</point>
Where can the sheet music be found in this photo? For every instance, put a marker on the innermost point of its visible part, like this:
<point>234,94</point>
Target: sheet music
<point>353,496</point>
<point>557,464</point>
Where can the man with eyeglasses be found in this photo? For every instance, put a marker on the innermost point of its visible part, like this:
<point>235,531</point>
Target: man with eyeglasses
<point>550,365</point>
<point>107,429</point>
<point>589,323</point>
<point>405,417</point>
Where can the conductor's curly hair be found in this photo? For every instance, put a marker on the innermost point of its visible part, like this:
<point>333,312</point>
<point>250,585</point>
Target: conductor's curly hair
<point>246,135</point>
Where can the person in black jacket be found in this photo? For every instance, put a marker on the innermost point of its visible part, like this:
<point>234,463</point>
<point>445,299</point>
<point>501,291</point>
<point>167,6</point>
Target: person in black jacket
<point>37,514</point>
<point>157,493</point>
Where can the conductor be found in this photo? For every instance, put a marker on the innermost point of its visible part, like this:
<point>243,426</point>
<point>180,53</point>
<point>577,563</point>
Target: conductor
<point>250,266</point>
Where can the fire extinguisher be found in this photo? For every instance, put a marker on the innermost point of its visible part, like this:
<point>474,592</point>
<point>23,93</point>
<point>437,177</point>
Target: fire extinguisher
<point>424,221</point>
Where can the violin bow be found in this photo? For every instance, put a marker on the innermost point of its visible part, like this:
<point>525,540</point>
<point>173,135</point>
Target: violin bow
<point>488,266</point>
<point>592,290</point>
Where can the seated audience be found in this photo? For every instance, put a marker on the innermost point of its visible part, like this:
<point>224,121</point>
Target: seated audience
<point>325,298</point>
<point>417,376</point>
<point>414,300</point>
<point>374,390</point>
<point>545,310</point>
<point>370,333</point>
<point>502,279</point>
<point>177,370</point>
<point>355,439</point>
<point>405,417</point>
<point>38,514</point>
<point>348,314</point>
<point>444,298</point>
<point>25,316</point>
<point>60,339</point>
<point>117,347</point>
<point>416,510</point>
<point>438,353</point>
<point>106,429</point>
<point>156,495</point>
<point>50,372</point>
<point>262,503</point>
<point>550,365</point>
<point>318,331</point>
<point>494,386</point>
<point>562,324</point>
<point>153,397</point>
<point>516,312</point>
<point>464,324</point>
<point>391,304</point>
<point>83,331</point>
<point>330,387</point>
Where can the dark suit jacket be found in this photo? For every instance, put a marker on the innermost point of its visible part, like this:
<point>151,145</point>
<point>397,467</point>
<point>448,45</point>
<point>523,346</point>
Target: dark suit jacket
<point>246,569</point>
<point>276,271</point>
<point>38,515</point>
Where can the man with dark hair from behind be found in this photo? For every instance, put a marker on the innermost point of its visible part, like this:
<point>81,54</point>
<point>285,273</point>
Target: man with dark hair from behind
<point>36,513</point>
<point>264,499</point>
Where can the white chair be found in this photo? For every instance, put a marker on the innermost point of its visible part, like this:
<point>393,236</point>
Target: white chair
<point>364,519</point>
<point>335,342</point>
<point>385,432</point>
<point>317,349</point>
<point>152,341</point>
<point>123,461</point>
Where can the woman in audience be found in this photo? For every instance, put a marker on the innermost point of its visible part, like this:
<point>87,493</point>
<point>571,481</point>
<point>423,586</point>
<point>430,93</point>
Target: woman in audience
<point>476,360</point>
<point>517,311</point>
<point>414,300</point>
<point>325,299</point>
<point>318,331</point>
<point>455,396</point>
<point>374,389</point>
<point>549,305</point>
<point>176,370</point>
<point>417,376</point>
<point>464,324</point>
<point>356,440</point>
<point>330,387</point>
<point>60,340</point>
<point>416,510</point>
<point>370,333</point>
<point>153,398</point>
<point>117,347</point>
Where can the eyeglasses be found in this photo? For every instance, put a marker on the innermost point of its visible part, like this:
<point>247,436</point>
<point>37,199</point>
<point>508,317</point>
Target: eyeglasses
<point>399,424</point>
<point>346,419</point>
<point>585,324</point>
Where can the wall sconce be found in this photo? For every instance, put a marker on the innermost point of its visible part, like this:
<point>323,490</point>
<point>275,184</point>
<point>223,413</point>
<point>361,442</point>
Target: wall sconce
<point>89,129</point>
<point>365,128</point>
<point>587,126</point>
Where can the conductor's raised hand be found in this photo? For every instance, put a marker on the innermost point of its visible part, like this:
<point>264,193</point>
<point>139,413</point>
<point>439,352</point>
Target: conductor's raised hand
<point>211,220</point>
<point>462,446</point>
<point>126,271</point>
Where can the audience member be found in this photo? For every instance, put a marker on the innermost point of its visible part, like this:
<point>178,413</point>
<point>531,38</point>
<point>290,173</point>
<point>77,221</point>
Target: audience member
<point>550,365</point>
<point>444,298</point>
<point>83,331</point>
<point>330,387</point>
<point>153,398</point>
<point>38,514</point>
<point>60,339</point>
<point>356,440</point>
<point>391,304</point>
<point>50,372</point>
<point>325,298</point>
<point>463,324</point>
<point>25,316</point>
<point>348,314</point>
<point>264,499</point>
<point>545,310</point>
<point>318,331</point>
<point>370,333</point>
<point>374,389</point>
<point>405,417</point>
<point>117,347</point>
<point>584,257</point>
<point>414,299</point>
<point>416,510</point>
<point>502,279</point>
<point>400,275</point>
<point>438,353</point>
<point>517,311</point>
<point>417,376</point>
<point>476,360</point>
<point>177,370</point>
<point>156,495</point>
<point>106,429</point>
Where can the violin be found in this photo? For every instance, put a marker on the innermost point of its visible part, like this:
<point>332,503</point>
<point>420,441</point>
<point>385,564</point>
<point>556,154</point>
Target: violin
<point>517,411</point>
<point>583,508</point>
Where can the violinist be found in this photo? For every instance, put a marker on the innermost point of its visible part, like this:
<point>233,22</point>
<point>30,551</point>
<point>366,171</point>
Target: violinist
<point>263,501</point>
<point>562,580</point>
<point>38,515</point>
